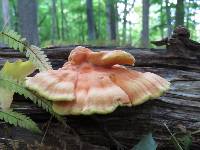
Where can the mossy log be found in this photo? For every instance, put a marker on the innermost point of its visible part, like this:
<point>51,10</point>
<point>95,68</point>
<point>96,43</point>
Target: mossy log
<point>127,125</point>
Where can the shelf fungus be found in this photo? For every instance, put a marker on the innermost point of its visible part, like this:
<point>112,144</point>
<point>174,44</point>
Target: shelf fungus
<point>96,82</point>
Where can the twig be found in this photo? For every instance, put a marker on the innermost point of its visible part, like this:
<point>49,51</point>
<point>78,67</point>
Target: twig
<point>49,122</point>
<point>196,132</point>
<point>174,138</point>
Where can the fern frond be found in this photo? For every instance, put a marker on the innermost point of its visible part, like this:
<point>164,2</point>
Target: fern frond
<point>18,119</point>
<point>34,53</point>
<point>18,87</point>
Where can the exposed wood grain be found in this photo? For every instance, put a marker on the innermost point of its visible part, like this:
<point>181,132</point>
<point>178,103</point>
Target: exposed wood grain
<point>180,105</point>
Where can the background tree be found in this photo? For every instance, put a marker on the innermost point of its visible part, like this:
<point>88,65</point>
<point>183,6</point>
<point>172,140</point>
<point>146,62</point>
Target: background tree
<point>168,15</point>
<point>54,27</point>
<point>5,12</point>
<point>179,13</point>
<point>90,20</point>
<point>162,19</point>
<point>66,22</point>
<point>14,15</point>
<point>27,11</point>
<point>145,23</point>
<point>62,20</point>
<point>111,19</point>
<point>124,21</point>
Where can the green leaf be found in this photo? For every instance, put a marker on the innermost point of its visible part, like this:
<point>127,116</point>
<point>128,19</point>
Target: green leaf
<point>18,119</point>
<point>146,143</point>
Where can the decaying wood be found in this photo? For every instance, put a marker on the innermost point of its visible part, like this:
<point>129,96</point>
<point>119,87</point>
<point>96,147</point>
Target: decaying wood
<point>180,105</point>
<point>180,44</point>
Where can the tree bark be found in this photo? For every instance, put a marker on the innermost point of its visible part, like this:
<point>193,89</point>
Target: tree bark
<point>5,12</point>
<point>161,20</point>
<point>53,26</point>
<point>169,20</point>
<point>188,14</point>
<point>62,20</point>
<point>99,20</point>
<point>130,33</point>
<point>27,11</point>
<point>179,13</point>
<point>15,21</point>
<point>81,29</point>
<point>5,15</point>
<point>57,21</point>
<point>124,21</point>
<point>111,19</point>
<point>90,20</point>
<point>145,24</point>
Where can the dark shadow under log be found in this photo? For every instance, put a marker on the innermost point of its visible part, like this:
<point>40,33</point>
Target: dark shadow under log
<point>127,125</point>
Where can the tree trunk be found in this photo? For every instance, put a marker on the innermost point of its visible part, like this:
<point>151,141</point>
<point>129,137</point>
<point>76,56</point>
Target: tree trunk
<point>57,22</point>
<point>5,15</point>
<point>14,21</point>
<point>5,12</point>
<point>108,20</point>
<point>124,21</point>
<point>66,26</point>
<point>188,14</point>
<point>169,20</point>
<point>53,26</point>
<point>62,20</point>
<point>99,20</point>
<point>145,24</point>
<point>81,29</point>
<point>27,11</point>
<point>116,22</point>
<point>130,34</point>
<point>90,20</point>
<point>179,13</point>
<point>161,21</point>
<point>111,18</point>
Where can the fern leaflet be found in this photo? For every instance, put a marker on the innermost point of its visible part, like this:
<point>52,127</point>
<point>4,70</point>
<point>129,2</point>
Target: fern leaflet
<point>18,119</point>
<point>34,53</point>
<point>18,87</point>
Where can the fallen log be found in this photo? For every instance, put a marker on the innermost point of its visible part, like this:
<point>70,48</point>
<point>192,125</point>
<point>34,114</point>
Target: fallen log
<point>180,44</point>
<point>127,125</point>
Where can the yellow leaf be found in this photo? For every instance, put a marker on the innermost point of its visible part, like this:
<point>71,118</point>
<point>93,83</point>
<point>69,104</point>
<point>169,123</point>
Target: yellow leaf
<point>18,71</point>
<point>6,98</point>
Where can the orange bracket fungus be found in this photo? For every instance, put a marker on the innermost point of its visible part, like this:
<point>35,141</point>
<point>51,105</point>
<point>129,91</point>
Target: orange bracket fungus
<point>96,82</point>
